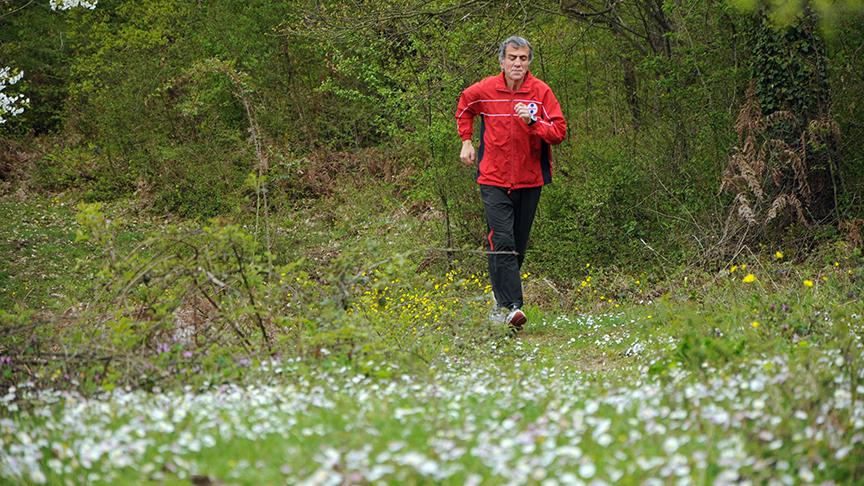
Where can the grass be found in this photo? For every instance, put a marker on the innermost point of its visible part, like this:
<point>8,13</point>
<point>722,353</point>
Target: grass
<point>716,381</point>
<point>524,411</point>
<point>45,268</point>
<point>37,245</point>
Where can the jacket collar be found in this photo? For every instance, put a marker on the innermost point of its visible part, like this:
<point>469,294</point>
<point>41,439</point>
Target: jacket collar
<point>501,83</point>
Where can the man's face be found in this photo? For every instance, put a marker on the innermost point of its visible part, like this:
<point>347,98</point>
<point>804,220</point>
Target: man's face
<point>515,63</point>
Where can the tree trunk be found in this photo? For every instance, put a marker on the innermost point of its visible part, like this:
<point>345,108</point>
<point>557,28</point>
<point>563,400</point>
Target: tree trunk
<point>631,89</point>
<point>789,65</point>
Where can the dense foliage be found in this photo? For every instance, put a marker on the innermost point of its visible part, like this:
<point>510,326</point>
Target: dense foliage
<point>178,102</point>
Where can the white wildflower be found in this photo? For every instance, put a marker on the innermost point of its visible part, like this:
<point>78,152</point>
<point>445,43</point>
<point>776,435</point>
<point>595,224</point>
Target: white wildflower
<point>587,469</point>
<point>37,476</point>
<point>67,4</point>
<point>806,474</point>
<point>670,445</point>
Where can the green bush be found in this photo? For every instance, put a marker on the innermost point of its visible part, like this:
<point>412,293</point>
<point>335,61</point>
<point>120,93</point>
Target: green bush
<point>146,96</point>
<point>190,304</point>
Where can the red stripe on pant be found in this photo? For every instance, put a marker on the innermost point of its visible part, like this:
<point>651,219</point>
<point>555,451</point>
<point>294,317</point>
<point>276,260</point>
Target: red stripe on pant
<point>491,245</point>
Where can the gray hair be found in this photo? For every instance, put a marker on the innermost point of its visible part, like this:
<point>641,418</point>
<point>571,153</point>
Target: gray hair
<point>515,41</point>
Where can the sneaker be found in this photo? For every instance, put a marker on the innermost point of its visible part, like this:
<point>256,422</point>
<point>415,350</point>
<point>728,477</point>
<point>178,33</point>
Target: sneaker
<point>516,319</point>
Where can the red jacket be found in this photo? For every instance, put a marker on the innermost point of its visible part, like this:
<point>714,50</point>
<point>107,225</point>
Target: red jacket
<point>512,154</point>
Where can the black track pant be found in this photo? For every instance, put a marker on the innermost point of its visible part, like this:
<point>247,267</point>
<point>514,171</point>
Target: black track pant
<point>509,215</point>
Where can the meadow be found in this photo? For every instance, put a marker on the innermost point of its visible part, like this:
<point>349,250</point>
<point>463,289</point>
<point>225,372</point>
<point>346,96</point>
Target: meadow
<point>751,374</point>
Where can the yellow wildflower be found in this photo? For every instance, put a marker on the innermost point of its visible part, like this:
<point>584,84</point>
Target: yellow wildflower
<point>778,255</point>
<point>755,324</point>
<point>733,269</point>
<point>808,283</point>
<point>749,278</point>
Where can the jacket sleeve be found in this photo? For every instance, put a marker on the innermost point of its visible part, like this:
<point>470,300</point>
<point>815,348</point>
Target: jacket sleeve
<point>551,126</point>
<point>467,108</point>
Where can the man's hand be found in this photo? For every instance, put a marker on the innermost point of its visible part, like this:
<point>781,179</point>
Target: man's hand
<point>523,112</point>
<point>468,156</point>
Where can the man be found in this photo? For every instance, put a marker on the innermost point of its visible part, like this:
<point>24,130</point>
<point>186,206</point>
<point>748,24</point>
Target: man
<point>519,119</point>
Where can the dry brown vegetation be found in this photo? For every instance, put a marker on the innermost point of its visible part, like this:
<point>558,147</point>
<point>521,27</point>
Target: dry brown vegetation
<point>768,174</point>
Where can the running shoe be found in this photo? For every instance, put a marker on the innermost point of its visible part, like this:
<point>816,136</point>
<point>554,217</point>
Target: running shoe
<point>516,319</point>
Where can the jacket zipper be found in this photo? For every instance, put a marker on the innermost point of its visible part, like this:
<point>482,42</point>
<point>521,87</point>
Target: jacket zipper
<point>510,154</point>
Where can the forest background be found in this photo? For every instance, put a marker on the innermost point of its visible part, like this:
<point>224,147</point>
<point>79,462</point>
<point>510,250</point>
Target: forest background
<point>177,103</point>
<point>319,138</point>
